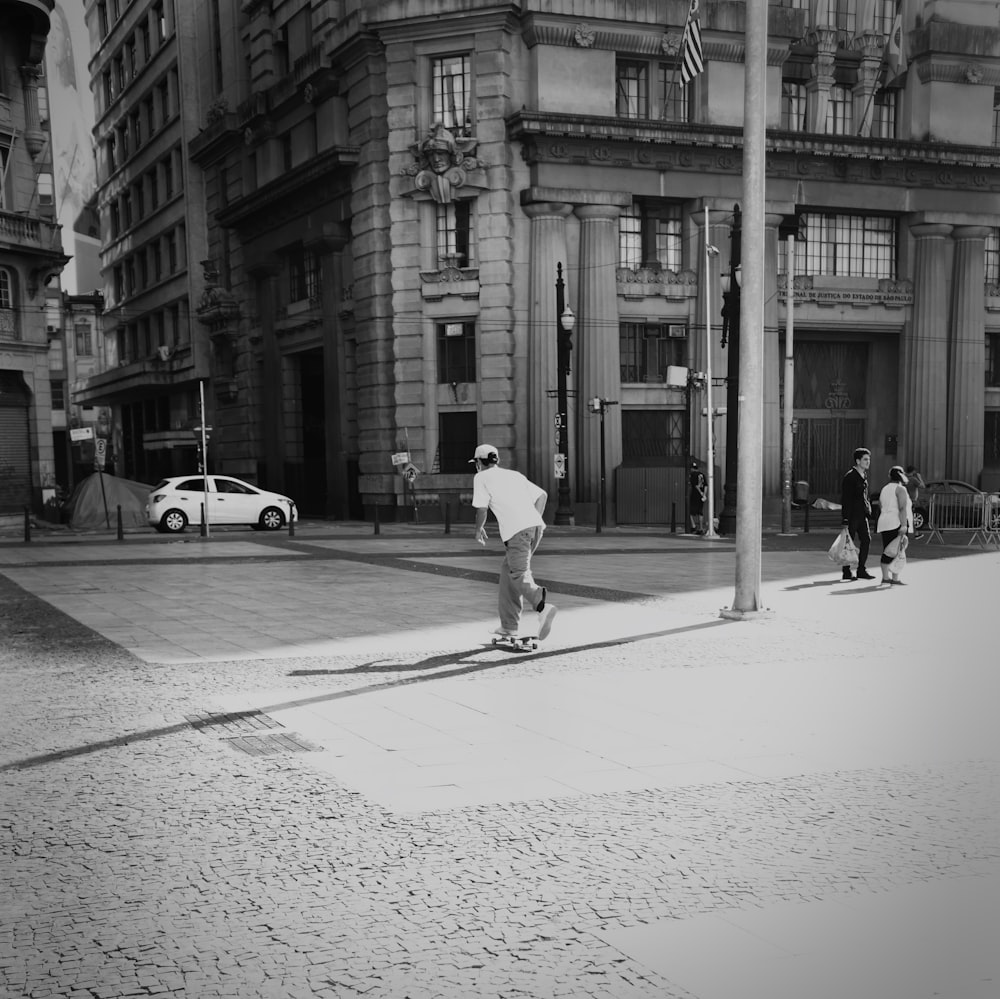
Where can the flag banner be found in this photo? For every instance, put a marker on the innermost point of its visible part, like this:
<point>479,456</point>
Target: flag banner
<point>692,60</point>
<point>895,57</point>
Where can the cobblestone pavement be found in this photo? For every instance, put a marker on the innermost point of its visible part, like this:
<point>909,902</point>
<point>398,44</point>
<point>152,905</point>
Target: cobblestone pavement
<point>159,839</point>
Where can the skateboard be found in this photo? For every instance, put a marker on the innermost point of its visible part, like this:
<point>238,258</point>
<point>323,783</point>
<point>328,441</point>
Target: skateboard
<point>517,643</point>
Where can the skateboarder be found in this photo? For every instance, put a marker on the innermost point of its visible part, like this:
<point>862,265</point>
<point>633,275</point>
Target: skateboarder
<point>517,505</point>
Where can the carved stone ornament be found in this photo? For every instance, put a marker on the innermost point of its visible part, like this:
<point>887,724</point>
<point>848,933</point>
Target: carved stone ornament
<point>443,162</point>
<point>973,73</point>
<point>584,35</point>
<point>218,308</point>
<point>670,44</point>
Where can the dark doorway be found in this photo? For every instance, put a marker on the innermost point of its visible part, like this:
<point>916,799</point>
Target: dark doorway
<point>309,492</point>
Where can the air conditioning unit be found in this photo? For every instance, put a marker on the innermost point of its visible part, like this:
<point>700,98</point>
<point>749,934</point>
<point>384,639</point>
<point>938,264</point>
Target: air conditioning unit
<point>163,352</point>
<point>677,330</point>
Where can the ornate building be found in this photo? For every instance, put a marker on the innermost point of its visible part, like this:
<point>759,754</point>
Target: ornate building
<point>30,257</point>
<point>386,197</point>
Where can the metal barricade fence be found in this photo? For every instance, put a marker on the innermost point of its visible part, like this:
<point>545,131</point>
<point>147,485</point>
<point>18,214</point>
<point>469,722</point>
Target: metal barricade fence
<point>975,514</point>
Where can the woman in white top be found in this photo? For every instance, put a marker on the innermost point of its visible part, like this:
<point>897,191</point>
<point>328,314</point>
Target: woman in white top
<point>895,521</point>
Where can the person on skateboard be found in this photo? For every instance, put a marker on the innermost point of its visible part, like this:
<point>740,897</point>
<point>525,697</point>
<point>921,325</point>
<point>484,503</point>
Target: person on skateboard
<point>517,505</point>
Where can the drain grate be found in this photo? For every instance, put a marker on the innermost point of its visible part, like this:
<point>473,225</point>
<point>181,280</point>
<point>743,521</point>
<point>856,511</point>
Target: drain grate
<point>251,732</point>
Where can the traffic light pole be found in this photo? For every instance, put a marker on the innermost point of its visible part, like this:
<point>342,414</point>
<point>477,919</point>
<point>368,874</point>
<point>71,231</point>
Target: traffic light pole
<point>731,309</point>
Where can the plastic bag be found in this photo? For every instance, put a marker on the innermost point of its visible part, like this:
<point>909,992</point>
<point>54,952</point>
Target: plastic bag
<point>843,551</point>
<point>897,549</point>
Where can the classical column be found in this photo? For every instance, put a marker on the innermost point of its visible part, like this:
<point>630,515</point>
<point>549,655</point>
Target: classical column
<point>967,355</point>
<point>547,248</point>
<point>820,77</point>
<point>596,350</point>
<point>869,44</point>
<point>773,359</point>
<point>925,355</point>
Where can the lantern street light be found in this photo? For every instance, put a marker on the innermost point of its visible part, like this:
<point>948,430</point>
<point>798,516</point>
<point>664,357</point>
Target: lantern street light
<point>565,321</point>
<point>731,333</point>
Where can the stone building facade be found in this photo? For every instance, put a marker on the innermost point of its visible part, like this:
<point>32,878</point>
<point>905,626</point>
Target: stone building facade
<point>388,189</point>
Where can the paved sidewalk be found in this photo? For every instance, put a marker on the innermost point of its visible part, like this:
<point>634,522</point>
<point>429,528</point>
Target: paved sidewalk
<point>290,767</point>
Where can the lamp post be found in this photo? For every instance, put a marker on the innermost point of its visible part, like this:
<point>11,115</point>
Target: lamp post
<point>731,334</point>
<point>565,321</point>
<point>600,406</point>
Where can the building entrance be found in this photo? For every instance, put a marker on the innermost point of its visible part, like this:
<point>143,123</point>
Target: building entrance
<point>822,452</point>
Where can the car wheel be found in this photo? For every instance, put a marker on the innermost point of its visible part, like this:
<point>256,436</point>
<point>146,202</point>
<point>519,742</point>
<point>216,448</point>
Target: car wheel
<point>919,518</point>
<point>272,519</point>
<point>173,521</point>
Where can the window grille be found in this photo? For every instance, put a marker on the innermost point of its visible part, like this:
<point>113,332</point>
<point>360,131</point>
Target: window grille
<point>303,275</point>
<point>840,111</point>
<point>646,350</point>
<point>992,257</point>
<point>630,238</point>
<point>632,89</point>
<point>845,246</point>
<point>793,106</point>
<point>884,115</point>
<point>454,233</point>
<point>456,352</point>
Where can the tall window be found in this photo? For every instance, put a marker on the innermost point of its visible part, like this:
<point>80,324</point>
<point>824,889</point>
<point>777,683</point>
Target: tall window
<point>84,343</point>
<point>457,439</point>
<point>303,275</point>
<point>456,350</point>
<point>451,92</point>
<point>646,350</point>
<point>632,89</point>
<point>992,255</point>
<point>673,97</point>
<point>996,116</point>
<point>58,389</point>
<point>843,14</point>
<point>6,294</point>
<point>650,234</point>
<point>793,106</point>
<point>993,360</point>
<point>884,115</point>
<point>885,14</point>
<point>840,111</point>
<point>454,233</point>
<point>846,246</point>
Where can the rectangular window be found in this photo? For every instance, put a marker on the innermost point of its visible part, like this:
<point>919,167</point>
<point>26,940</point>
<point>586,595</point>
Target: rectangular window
<point>127,208</point>
<point>154,189</point>
<point>650,234</point>
<point>840,111</point>
<point>109,146</point>
<point>646,350</point>
<point>6,299</point>
<point>123,144</point>
<point>102,18</point>
<point>160,23</point>
<point>996,116</point>
<point>630,238</point>
<point>793,106</point>
<point>451,93</point>
<point>673,97</point>
<point>147,52</point>
<point>993,360</point>
<point>303,275</point>
<point>668,242</point>
<point>157,255</point>
<point>456,350</point>
<point>457,439</point>
<point>138,201</point>
<point>132,53</point>
<point>885,14</point>
<point>106,89</point>
<point>115,219</point>
<point>118,68</point>
<point>992,246</point>
<point>163,95</point>
<point>84,343</point>
<point>172,251</point>
<point>843,14</point>
<point>454,234</point>
<point>58,390</point>
<point>846,246</point>
<point>149,114</point>
<point>167,164</point>
<point>653,437</point>
<point>631,89</point>
<point>884,115</point>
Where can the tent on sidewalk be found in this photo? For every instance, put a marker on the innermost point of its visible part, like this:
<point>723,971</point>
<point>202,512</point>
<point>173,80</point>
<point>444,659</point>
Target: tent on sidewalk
<point>95,502</point>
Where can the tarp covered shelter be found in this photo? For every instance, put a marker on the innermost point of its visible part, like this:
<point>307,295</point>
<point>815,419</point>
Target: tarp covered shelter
<point>96,499</point>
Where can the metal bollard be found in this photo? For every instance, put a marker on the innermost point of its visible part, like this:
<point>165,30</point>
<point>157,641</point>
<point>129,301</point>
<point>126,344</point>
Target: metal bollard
<point>204,526</point>
<point>27,525</point>
<point>447,517</point>
<point>805,529</point>
<point>121,529</point>
<point>291,518</point>
<point>673,517</point>
<point>375,522</point>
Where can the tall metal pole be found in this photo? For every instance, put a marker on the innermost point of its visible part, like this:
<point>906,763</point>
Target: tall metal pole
<point>204,459</point>
<point>564,509</point>
<point>750,473</point>
<point>787,409</point>
<point>600,505</point>
<point>710,530</point>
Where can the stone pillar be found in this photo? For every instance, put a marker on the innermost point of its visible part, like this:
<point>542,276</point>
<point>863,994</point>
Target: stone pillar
<point>869,45</point>
<point>967,355</point>
<point>548,248</point>
<point>925,355</point>
<point>821,77</point>
<point>597,371</point>
<point>34,137</point>
<point>773,360</point>
<point>710,283</point>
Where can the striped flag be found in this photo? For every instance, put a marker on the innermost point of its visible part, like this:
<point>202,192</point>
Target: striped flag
<point>692,60</point>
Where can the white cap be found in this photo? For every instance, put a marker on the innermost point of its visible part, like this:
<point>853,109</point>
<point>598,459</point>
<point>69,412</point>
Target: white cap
<point>485,452</point>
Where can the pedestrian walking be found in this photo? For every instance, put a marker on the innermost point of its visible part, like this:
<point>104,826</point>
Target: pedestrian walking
<point>696,497</point>
<point>895,521</point>
<point>915,482</point>
<point>517,504</point>
<point>856,508</point>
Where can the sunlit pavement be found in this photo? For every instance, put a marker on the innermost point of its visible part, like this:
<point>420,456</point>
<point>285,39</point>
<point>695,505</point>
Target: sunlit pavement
<point>658,802</point>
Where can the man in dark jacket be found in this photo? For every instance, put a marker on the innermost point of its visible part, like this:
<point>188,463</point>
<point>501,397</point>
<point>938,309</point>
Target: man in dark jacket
<point>856,508</point>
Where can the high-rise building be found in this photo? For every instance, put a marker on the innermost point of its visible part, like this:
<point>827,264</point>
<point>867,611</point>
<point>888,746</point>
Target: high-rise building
<point>31,257</point>
<point>382,194</point>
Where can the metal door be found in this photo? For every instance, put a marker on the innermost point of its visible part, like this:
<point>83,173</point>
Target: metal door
<point>822,452</point>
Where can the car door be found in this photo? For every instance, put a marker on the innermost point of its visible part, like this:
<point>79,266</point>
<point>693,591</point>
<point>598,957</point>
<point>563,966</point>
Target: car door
<point>233,502</point>
<point>189,496</point>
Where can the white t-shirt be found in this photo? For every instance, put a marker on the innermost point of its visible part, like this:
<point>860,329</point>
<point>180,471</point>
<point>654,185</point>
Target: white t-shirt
<point>511,497</point>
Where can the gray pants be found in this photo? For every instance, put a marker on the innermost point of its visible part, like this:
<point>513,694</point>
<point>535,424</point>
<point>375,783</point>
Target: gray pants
<point>516,582</point>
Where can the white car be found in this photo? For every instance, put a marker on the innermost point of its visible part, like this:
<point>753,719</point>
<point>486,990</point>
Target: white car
<point>176,502</point>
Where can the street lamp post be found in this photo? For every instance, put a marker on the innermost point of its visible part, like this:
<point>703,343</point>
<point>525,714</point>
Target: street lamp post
<point>565,321</point>
<point>731,333</point>
<point>599,405</point>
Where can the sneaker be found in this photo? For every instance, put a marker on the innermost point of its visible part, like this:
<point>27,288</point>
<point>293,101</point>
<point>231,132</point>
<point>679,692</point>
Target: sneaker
<point>504,633</point>
<point>897,582</point>
<point>864,574</point>
<point>541,603</point>
<point>848,576</point>
<point>545,621</point>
